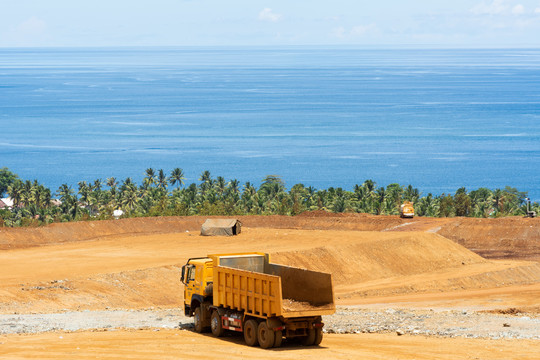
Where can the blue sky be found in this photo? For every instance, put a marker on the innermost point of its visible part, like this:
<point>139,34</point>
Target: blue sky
<point>455,23</point>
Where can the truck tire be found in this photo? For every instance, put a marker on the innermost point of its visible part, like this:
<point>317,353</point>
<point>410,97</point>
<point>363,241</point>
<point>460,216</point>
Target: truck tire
<point>250,333</point>
<point>266,335</point>
<point>216,325</point>
<point>309,339</point>
<point>197,320</point>
<point>278,337</point>
<point>318,336</point>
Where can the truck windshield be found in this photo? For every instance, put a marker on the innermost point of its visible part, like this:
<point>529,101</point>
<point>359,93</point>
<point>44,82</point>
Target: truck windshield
<point>191,273</point>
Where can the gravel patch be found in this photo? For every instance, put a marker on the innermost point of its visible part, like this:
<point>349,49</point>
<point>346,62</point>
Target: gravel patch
<point>91,320</point>
<point>431,323</point>
<point>467,324</point>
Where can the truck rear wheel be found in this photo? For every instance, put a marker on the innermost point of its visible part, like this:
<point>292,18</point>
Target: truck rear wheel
<point>309,339</point>
<point>216,325</point>
<point>250,333</point>
<point>318,336</point>
<point>266,335</point>
<point>278,337</point>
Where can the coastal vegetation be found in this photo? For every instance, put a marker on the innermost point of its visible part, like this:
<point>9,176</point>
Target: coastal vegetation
<point>167,194</point>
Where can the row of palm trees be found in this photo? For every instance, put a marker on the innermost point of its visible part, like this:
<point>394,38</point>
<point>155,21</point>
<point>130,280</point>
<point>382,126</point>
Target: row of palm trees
<point>162,194</point>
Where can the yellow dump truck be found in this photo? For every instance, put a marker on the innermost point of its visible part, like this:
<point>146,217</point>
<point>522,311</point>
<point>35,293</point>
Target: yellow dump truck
<point>267,302</point>
<point>406,210</point>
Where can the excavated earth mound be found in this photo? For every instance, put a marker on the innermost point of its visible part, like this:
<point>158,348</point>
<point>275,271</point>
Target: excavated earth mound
<point>135,263</point>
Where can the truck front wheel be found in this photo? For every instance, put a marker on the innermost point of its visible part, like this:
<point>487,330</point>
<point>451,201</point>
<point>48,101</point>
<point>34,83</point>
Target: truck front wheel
<point>250,332</point>
<point>266,335</point>
<point>216,325</point>
<point>197,321</point>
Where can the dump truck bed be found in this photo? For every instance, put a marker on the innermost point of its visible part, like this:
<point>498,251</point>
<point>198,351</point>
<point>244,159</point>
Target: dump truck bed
<point>252,284</point>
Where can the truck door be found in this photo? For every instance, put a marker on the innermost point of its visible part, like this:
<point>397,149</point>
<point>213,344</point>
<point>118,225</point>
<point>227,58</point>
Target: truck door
<point>189,281</point>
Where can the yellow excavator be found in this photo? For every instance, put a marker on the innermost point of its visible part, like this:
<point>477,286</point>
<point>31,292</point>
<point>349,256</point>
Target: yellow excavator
<point>406,210</point>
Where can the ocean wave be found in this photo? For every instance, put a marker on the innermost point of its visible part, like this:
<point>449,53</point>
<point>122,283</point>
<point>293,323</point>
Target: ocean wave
<point>139,123</point>
<point>47,147</point>
<point>496,135</point>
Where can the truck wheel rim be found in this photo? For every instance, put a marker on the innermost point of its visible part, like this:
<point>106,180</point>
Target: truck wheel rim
<point>214,323</point>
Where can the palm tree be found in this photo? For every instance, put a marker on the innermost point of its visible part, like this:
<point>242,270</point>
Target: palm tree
<point>97,185</point>
<point>411,194</point>
<point>84,191</point>
<point>233,187</point>
<point>381,199</point>
<point>129,196</point>
<point>26,194</point>
<point>64,191</point>
<point>369,185</point>
<point>15,191</point>
<point>271,186</point>
<point>177,177</point>
<point>498,200</point>
<point>45,196</point>
<point>220,185</point>
<point>111,182</point>
<point>310,197</point>
<point>162,179</point>
<point>150,178</point>
<point>206,179</point>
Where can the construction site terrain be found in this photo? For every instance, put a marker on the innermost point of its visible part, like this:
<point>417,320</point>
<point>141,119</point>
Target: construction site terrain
<point>421,288</point>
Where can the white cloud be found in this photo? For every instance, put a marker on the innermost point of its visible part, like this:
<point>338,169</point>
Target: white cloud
<point>518,9</point>
<point>355,32</point>
<point>32,26</point>
<point>361,30</point>
<point>494,8</point>
<point>537,10</point>
<point>267,14</point>
<point>339,32</point>
<point>31,32</point>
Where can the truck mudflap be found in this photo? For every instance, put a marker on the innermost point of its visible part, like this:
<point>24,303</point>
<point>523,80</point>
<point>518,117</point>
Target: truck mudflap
<point>301,327</point>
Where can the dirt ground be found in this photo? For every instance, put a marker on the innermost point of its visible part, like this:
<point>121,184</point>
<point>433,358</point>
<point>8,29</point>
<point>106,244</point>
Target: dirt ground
<point>376,262</point>
<point>173,344</point>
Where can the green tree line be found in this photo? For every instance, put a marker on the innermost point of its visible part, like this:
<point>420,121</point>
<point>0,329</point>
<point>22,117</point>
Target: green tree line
<point>166,194</point>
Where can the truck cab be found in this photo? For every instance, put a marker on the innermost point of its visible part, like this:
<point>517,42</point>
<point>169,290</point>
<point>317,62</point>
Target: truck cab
<point>197,277</point>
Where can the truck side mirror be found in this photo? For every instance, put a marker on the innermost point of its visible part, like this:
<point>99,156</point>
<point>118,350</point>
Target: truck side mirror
<point>183,274</point>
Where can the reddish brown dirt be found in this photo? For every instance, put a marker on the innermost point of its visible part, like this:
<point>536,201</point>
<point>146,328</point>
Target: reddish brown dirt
<point>511,237</point>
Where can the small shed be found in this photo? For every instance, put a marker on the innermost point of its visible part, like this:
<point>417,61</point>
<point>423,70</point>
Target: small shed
<point>7,203</point>
<point>221,227</point>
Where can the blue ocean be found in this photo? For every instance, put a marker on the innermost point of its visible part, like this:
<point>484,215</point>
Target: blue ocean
<point>436,119</point>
